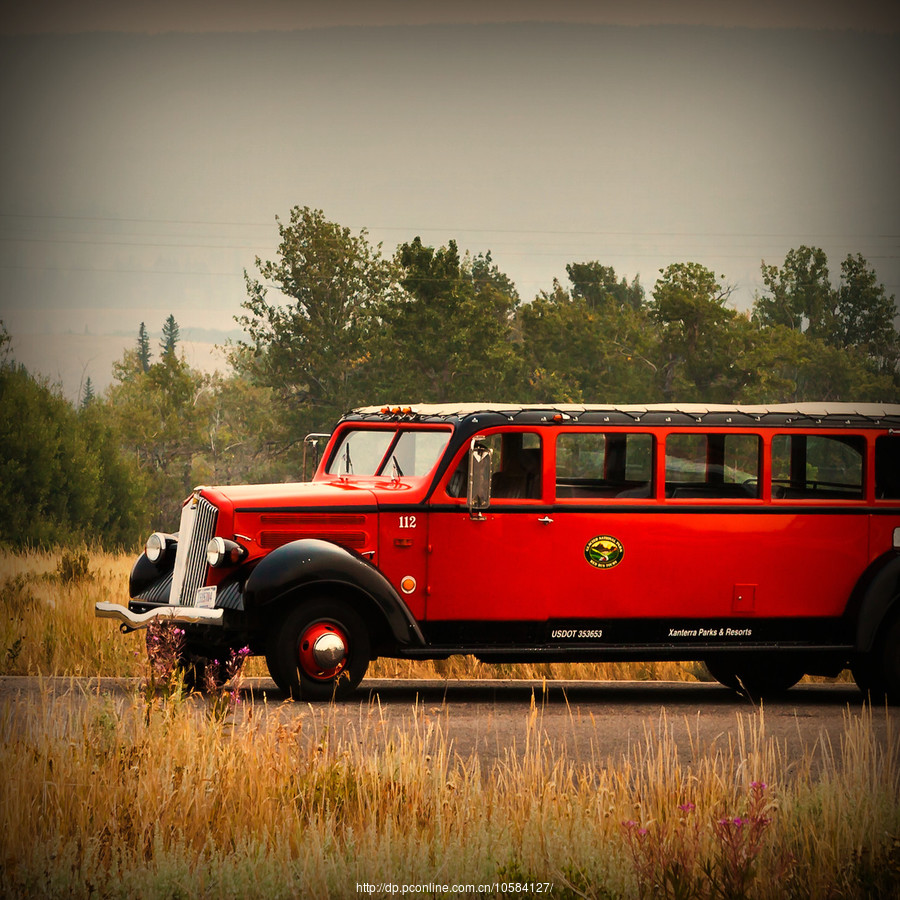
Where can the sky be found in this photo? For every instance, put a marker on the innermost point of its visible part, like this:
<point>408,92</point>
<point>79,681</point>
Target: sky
<point>147,148</point>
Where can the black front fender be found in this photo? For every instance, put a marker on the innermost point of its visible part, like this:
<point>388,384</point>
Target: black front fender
<point>311,562</point>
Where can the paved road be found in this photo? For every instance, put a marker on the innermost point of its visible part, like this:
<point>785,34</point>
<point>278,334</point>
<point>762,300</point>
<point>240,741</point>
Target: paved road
<point>594,722</point>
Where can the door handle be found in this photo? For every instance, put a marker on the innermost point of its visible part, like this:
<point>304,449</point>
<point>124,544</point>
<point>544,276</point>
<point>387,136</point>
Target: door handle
<point>545,520</point>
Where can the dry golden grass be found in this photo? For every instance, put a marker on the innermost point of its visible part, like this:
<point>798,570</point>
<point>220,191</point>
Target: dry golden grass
<point>135,798</point>
<point>172,796</point>
<point>48,624</point>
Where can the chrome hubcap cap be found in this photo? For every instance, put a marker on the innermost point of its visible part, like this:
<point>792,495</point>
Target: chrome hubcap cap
<point>328,651</point>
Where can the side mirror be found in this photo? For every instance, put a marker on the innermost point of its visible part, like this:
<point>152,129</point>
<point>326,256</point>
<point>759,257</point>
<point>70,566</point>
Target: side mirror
<point>478,495</point>
<point>312,440</point>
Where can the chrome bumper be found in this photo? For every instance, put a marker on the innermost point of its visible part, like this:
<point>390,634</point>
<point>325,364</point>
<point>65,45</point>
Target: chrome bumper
<point>185,614</point>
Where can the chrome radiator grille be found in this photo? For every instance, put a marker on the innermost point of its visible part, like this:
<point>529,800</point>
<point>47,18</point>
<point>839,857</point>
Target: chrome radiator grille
<point>198,526</point>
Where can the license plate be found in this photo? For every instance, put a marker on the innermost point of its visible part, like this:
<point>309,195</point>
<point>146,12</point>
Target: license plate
<point>206,597</point>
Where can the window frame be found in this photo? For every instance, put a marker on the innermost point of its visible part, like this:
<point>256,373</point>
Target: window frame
<point>553,475</point>
<point>866,465</point>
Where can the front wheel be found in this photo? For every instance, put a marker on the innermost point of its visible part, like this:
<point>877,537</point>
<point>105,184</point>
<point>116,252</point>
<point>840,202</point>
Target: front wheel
<point>319,651</point>
<point>757,677</point>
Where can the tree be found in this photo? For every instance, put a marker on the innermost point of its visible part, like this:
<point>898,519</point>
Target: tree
<point>5,344</point>
<point>588,345</point>
<point>449,334</point>
<point>171,334</point>
<point>87,395</point>
<point>598,285</point>
<point>799,294</point>
<point>864,315</point>
<point>312,349</point>
<point>143,348</point>
<point>698,337</point>
<point>162,418</point>
<point>851,348</point>
<point>63,478</point>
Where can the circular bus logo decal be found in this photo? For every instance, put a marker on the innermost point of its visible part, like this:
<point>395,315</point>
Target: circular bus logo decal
<point>604,551</point>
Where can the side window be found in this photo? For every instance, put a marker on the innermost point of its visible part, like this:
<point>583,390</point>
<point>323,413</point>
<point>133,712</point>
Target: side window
<point>592,465</point>
<point>712,466</point>
<point>817,467</point>
<point>887,467</point>
<point>516,463</point>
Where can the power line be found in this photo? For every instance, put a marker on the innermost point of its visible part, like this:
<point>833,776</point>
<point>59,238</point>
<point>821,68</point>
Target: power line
<point>412,229</point>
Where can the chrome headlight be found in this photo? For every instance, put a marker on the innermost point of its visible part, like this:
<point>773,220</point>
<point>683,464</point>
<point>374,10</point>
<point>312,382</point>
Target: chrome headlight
<point>157,545</point>
<point>221,552</point>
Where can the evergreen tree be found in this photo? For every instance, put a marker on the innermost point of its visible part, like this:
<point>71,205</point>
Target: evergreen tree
<point>171,335</point>
<point>87,395</point>
<point>143,348</point>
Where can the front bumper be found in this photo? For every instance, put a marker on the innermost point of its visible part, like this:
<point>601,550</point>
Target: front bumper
<point>182,614</point>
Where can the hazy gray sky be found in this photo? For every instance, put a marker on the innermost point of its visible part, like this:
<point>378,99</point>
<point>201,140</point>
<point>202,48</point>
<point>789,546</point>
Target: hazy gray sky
<point>145,155</point>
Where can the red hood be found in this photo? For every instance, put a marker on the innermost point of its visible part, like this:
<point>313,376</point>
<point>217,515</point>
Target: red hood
<point>317,494</point>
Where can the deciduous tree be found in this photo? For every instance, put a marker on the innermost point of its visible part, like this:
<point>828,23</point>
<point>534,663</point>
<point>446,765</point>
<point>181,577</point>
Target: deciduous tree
<point>798,294</point>
<point>589,345</point>
<point>699,342</point>
<point>449,334</point>
<point>312,345</point>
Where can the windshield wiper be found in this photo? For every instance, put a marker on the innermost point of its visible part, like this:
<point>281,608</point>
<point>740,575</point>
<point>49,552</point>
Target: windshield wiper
<point>348,466</point>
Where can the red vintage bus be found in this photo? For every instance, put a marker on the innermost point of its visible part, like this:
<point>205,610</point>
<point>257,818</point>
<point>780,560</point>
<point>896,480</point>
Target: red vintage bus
<point>762,540</point>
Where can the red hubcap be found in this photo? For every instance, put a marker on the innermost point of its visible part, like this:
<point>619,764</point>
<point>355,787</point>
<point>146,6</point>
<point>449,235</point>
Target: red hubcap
<point>323,651</point>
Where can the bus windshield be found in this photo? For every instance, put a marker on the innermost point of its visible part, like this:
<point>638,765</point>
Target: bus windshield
<point>383,452</point>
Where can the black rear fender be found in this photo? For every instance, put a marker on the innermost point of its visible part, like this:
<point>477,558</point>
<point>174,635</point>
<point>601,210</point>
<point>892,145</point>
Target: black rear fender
<point>300,567</point>
<point>874,598</point>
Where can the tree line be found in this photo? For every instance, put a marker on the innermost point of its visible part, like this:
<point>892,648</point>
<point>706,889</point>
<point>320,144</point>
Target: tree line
<point>331,323</point>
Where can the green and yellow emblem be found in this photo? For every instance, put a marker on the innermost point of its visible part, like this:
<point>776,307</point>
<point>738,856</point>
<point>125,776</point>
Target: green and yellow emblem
<point>604,551</point>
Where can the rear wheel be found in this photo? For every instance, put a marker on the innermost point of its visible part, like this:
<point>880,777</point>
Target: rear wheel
<point>319,651</point>
<point>757,676</point>
<point>890,662</point>
<point>877,674</point>
<point>865,674</point>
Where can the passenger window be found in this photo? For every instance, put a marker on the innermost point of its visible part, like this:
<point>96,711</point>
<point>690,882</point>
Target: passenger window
<point>592,466</point>
<point>516,463</point>
<point>887,467</point>
<point>712,466</point>
<point>817,467</point>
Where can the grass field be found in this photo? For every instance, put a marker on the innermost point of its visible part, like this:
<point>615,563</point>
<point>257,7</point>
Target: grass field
<point>163,794</point>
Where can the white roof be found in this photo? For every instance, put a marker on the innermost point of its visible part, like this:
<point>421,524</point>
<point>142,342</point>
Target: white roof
<point>806,410</point>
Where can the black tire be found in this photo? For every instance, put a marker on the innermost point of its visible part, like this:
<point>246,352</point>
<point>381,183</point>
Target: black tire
<point>290,654</point>
<point>756,677</point>
<point>877,674</point>
<point>865,673</point>
<point>890,661</point>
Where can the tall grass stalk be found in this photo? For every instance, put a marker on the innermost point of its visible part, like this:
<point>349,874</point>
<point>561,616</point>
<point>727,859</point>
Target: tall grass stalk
<point>157,798</point>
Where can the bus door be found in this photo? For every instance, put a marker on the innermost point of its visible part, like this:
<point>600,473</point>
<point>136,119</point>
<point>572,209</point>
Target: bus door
<point>494,565</point>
